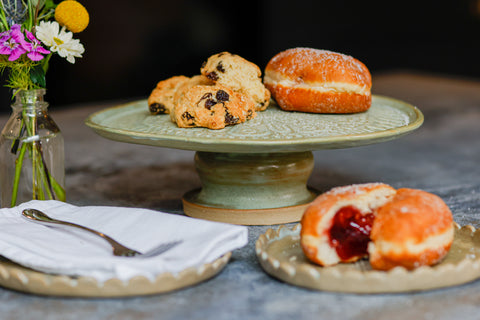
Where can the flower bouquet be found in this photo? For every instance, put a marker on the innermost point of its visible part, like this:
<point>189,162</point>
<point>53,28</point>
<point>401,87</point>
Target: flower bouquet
<point>31,145</point>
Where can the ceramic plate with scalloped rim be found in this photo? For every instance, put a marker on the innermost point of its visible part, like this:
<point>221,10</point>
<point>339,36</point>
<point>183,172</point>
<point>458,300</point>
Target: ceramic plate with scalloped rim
<point>281,256</point>
<point>16,277</point>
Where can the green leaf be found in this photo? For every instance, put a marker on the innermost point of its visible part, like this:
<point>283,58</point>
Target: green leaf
<point>38,76</point>
<point>49,4</point>
<point>46,9</point>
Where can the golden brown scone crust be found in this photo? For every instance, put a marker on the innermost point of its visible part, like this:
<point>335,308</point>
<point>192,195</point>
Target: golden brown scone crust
<point>319,81</point>
<point>213,107</point>
<point>182,88</point>
<point>414,229</point>
<point>161,98</point>
<point>198,80</point>
<point>238,74</point>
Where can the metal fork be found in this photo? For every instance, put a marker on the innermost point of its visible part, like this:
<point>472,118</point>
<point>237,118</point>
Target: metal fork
<point>118,249</point>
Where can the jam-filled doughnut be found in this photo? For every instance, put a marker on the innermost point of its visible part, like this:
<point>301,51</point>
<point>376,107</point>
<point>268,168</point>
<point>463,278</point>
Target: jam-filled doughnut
<point>318,81</point>
<point>336,225</point>
<point>404,227</point>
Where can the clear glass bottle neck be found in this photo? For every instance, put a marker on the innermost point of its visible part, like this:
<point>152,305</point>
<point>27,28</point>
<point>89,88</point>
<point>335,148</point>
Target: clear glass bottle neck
<point>29,100</point>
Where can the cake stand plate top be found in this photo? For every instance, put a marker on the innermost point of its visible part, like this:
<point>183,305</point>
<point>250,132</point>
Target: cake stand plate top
<point>273,130</point>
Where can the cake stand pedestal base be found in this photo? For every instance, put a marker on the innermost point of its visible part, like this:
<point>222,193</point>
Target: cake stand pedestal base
<point>257,172</point>
<point>251,188</point>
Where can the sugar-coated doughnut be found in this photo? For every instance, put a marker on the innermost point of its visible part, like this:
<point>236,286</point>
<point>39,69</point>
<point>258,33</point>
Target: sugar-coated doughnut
<point>404,227</point>
<point>414,229</point>
<point>319,81</point>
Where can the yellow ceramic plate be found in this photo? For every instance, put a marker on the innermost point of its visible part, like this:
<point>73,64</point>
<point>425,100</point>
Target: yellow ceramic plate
<point>281,256</point>
<point>16,277</point>
<point>272,130</point>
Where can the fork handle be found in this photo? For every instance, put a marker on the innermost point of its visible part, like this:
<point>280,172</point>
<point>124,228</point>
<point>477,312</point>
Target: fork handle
<point>39,216</point>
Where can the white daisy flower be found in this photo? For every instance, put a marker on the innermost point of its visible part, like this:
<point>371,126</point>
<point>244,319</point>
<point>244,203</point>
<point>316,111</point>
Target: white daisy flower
<point>46,32</point>
<point>59,41</point>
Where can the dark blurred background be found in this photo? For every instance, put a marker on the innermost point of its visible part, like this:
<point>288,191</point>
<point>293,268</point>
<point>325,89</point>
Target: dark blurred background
<point>131,45</point>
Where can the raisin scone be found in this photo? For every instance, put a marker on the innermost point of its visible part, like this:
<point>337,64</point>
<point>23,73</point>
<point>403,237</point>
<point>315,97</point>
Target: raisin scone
<point>239,74</point>
<point>198,80</point>
<point>161,100</point>
<point>213,107</point>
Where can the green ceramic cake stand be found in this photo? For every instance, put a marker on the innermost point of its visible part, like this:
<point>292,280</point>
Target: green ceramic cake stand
<point>256,173</point>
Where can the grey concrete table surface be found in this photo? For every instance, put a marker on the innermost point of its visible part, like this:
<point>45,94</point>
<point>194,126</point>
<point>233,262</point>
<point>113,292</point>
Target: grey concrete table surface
<point>442,157</point>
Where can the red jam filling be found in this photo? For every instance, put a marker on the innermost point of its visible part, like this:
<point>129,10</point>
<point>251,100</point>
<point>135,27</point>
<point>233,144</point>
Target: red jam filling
<point>350,232</point>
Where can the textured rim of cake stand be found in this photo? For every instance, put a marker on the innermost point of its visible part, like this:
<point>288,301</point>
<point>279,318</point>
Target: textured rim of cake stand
<point>272,131</point>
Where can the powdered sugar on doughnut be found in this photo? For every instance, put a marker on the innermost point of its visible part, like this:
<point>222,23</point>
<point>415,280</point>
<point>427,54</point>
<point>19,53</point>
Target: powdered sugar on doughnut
<point>301,60</point>
<point>355,188</point>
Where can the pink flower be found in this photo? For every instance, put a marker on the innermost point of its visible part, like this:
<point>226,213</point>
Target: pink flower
<point>35,49</point>
<point>13,43</point>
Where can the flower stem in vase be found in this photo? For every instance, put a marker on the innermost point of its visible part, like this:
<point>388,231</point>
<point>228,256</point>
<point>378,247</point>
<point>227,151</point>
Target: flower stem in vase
<point>33,144</point>
<point>18,170</point>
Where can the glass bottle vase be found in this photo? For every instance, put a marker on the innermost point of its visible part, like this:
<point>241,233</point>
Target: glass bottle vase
<point>31,152</point>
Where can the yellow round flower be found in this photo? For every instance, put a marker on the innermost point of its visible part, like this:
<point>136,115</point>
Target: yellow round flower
<point>73,15</point>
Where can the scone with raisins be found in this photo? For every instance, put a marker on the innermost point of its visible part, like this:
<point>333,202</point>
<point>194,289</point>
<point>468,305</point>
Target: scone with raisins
<point>239,74</point>
<point>161,100</point>
<point>198,80</point>
<point>213,107</point>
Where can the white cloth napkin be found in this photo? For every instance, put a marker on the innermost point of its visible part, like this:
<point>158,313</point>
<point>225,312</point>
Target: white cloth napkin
<point>69,251</point>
